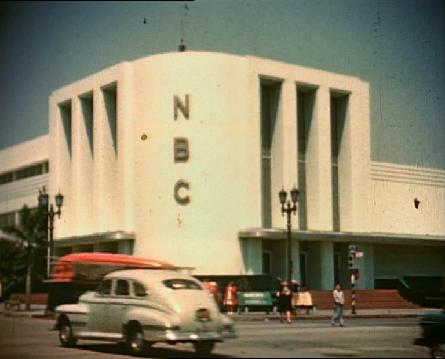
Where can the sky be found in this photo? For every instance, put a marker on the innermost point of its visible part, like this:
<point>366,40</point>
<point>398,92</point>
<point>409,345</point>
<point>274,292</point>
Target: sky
<point>398,46</point>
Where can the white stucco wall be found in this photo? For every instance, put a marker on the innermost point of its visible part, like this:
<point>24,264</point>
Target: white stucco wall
<point>394,188</point>
<point>97,185</point>
<point>354,154</point>
<point>202,233</point>
<point>24,154</point>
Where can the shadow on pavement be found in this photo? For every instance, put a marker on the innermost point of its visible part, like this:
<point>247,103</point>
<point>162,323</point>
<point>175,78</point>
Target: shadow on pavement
<point>153,352</point>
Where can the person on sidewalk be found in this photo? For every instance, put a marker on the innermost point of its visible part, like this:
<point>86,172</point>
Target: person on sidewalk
<point>212,288</point>
<point>339,301</point>
<point>285,302</point>
<point>231,298</point>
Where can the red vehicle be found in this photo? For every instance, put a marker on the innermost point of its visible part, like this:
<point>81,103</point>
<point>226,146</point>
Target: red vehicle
<point>78,272</point>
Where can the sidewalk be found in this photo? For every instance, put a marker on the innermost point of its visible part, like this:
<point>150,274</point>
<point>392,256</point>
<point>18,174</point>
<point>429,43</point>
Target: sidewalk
<point>324,314</point>
<point>38,311</point>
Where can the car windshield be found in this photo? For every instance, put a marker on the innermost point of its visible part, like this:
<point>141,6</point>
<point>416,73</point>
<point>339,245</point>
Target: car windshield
<point>181,284</point>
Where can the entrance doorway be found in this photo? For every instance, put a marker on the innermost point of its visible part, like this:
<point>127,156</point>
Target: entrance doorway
<point>273,258</point>
<point>303,269</point>
<point>267,261</point>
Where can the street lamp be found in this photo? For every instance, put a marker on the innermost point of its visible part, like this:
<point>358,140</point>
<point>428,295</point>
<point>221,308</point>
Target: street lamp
<point>288,208</point>
<point>49,212</point>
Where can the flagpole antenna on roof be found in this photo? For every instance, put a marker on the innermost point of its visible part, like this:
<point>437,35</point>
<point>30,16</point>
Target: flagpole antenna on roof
<point>182,47</point>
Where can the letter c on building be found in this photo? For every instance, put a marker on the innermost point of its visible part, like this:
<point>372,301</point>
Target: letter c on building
<point>180,197</point>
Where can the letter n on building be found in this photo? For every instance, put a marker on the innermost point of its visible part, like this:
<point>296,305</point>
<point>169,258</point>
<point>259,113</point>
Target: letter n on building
<point>184,108</point>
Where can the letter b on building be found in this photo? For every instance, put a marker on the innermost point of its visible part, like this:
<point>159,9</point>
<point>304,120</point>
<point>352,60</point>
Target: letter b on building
<point>181,149</point>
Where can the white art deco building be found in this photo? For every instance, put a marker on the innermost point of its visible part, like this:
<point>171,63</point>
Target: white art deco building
<point>180,157</point>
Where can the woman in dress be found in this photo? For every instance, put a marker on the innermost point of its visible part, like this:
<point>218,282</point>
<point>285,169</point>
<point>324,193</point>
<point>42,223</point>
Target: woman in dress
<point>285,302</point>
<point>230,298</point>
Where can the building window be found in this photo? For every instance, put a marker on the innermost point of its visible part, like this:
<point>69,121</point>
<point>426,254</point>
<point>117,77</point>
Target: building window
<point>65,117</point>
<point>305,110</point>
<point>110,101</point>
<point>7,220</point>
<point>86,103</point>
<point>339,103</point>
<point>270,92</point>
<point>6,177</point>
<point>29,171</point>
<point>25,172</point>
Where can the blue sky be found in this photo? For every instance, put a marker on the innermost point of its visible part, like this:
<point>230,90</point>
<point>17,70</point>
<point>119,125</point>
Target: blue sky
<point>397,46</point>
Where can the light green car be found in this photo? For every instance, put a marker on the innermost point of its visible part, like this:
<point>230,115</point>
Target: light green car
<point>141,307</point>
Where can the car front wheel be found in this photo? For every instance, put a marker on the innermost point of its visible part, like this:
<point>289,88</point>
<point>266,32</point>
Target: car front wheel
<point>203,348</point>
<point>66,334</point>
<point>135,340</point>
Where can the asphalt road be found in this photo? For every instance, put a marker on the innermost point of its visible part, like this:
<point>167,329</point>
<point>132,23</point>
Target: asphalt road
<point>384,338</point>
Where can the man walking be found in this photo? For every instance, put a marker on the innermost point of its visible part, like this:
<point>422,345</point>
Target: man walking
<point>339,301</point>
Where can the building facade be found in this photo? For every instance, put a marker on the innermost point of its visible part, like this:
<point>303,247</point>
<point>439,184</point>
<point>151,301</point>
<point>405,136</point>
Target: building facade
<point>23,170</point>
<point>180,157</point>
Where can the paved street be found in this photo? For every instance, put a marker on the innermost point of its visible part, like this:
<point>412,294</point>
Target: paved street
<point>33,338</point>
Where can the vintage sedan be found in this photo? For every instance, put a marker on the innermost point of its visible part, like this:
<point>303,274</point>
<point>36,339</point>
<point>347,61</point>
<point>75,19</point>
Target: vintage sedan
<point>143,306</point>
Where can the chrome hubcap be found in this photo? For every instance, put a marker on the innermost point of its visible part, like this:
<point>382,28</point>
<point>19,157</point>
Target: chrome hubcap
<point>138,340</point>
<point>65,333</point>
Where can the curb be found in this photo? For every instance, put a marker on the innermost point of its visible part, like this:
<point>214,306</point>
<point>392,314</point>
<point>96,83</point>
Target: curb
<point>24,314</point>
<point>326,317</point>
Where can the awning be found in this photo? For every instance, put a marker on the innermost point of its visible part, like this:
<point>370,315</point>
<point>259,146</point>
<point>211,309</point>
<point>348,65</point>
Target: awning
<point>356,237</point>
<point>94,238</point>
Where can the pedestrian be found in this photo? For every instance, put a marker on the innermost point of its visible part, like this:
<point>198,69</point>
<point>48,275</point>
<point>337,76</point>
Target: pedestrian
<point>230,298</point>
<point>285,302</point>
<point>295,286</point>
<point>339,301</point>
<point>212,288</point>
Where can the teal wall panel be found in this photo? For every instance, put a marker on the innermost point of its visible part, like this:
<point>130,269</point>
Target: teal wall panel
<point>391,261</point>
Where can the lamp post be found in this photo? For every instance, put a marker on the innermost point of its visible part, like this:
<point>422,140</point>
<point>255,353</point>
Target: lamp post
<point>289,208</point>
<point>50,213</point>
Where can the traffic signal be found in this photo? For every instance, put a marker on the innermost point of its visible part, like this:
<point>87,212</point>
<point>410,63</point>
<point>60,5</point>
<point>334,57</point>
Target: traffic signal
<point>350,261</point>
<point>352,248</point>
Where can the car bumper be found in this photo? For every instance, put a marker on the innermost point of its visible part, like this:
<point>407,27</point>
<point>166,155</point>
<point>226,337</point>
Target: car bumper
<point>182,336</point>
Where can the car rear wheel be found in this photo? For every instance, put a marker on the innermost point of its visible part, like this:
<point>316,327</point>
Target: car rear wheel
<point>66,334</point>
<point>203,348</point>
<point>135,340</point>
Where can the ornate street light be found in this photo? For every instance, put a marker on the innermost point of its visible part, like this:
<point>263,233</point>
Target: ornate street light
<point>50,213</point>
<point>289,207</point>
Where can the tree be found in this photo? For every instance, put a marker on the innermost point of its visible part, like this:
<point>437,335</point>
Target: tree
<point>11,260</point>
<point>31,233</point>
